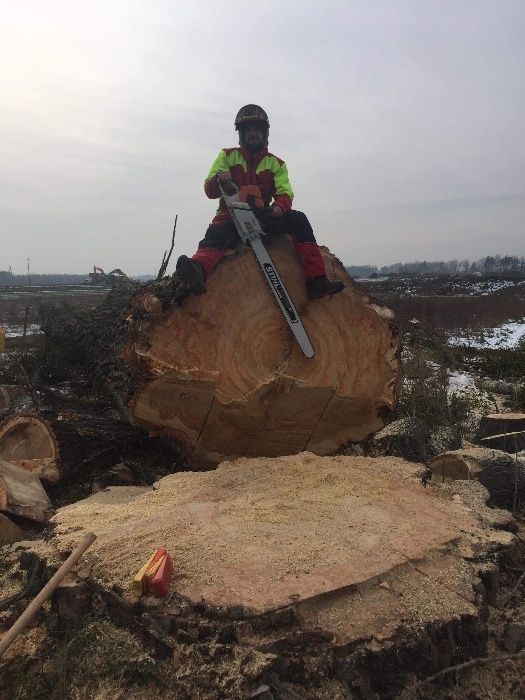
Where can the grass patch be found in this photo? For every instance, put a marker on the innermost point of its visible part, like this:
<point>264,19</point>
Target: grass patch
<point>429,400</point>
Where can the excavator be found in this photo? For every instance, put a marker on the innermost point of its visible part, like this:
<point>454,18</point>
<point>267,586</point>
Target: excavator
<point>99,277</point>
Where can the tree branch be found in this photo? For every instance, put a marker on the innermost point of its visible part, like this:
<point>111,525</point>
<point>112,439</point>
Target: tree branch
<point>165,260</point>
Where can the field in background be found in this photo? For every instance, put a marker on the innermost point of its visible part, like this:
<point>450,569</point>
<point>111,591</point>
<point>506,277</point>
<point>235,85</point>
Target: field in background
<point>19,305</point>
<point>452,304</point>
<point>463,346</point>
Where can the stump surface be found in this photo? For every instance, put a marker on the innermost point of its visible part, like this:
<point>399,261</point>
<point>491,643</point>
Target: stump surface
<point>261,533</point>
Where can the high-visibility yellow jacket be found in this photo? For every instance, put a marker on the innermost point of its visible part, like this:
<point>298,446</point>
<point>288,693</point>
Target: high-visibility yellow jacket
<point>262,168</point>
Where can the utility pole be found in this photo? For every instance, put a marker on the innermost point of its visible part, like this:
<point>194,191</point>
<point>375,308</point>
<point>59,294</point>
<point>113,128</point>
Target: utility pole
<point>28,273</point>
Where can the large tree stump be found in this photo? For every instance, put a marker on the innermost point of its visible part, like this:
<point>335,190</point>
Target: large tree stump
<point>503,431</point>
<point>222,373</point>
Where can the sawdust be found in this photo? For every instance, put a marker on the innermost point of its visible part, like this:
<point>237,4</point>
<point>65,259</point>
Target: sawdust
<point>259,532</point>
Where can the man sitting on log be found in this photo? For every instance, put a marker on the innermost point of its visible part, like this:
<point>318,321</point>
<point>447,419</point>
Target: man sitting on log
<point>252,164</point>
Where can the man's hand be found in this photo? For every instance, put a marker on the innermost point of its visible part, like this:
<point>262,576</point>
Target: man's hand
<point>276,212</point>
<point>224,179</point>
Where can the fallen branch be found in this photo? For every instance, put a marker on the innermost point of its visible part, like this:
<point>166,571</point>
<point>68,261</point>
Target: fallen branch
<point>480,661</point>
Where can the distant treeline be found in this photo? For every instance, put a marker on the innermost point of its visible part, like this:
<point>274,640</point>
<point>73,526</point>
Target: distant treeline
<point>491,264</point>
<point>7,278</point>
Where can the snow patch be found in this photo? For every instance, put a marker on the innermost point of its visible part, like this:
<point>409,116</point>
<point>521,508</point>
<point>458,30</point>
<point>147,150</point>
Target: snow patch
<point>460,381</point>
<point>13,331</point>
<point>505,336</point>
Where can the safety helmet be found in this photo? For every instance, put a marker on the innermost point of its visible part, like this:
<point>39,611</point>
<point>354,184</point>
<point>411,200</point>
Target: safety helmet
<point>249,114</point>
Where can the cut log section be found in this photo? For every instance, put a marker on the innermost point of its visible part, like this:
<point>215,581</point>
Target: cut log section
<point>22,494</point>
<point>70,444</point>
<point>29,442</point>
<point>503,431</point>
<point>222,373</point>
<point>501,474</point>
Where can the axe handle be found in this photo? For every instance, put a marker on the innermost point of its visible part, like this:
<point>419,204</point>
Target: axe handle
<point>46,592</point>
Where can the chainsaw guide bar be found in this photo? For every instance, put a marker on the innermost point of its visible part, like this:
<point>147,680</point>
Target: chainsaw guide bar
<point>250,231</point>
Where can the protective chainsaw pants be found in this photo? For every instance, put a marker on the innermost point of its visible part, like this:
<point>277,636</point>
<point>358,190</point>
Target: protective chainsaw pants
<point>220,237</point>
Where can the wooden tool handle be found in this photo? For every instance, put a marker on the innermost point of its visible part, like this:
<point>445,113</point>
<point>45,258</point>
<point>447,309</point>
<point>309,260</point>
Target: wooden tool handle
<point>46,592</point>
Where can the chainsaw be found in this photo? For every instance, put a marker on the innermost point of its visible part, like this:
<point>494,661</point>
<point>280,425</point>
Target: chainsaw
<point>245,216</point>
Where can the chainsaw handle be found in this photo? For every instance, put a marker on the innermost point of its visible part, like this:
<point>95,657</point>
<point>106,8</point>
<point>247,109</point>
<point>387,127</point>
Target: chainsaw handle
<point>223,193</point>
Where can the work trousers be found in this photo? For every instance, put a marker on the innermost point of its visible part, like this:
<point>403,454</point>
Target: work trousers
<point>220,237</point>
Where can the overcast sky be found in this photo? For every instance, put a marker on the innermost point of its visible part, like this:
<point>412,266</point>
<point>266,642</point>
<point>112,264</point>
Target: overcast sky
<point>401,121</point>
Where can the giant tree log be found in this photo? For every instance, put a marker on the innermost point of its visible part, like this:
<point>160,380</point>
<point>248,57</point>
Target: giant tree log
<point>222,373</point>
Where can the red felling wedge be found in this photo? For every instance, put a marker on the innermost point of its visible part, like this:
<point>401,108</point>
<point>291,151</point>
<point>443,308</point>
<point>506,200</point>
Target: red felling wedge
<point>161,581</point>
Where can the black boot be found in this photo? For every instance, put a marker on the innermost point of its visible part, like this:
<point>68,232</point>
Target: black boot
<point>322,287</point>
<point>190,272</point>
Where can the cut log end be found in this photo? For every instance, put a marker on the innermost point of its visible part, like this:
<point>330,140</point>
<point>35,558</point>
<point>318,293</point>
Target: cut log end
<point>225,377</point>
<point>28,442</point>
<point>453,466</point>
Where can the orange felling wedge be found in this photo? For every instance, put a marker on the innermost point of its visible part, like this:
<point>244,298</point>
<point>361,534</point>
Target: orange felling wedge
<point>152,570</point>
<point>139,584</point>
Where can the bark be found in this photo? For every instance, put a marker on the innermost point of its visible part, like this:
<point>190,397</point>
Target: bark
<point>22,494</point>
<point>222,374</point>
<point>501,474</point>
<point>503,431</point>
